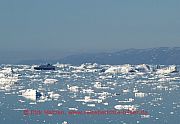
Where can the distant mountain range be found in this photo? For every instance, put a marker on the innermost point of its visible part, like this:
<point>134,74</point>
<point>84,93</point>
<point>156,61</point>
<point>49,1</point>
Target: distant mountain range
<point>162,55</point>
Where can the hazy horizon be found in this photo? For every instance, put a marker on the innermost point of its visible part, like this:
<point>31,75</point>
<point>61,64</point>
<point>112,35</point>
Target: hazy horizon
<point>50,28</point>
<point>17,57</point>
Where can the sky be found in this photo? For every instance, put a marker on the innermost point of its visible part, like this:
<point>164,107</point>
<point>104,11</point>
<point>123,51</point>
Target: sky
<point>67,26</point>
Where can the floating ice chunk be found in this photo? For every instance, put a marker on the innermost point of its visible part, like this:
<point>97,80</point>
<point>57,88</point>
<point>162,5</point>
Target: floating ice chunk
<point>88,99</point>
<point>31,94</point>
<point>88,91</point>
<point>162,87</point>
<point>32,103</point>
<point>127,101</point>
<point>59,104</point>
<point>125,107</point>
<point>8,80</point>
<point>106,103</point>
<point>89,66</point>
<point>120,69</point>
<point>7,87</point>
<point>7,70</point>
<point>104,93</point>
<point>73,88</point>
<point>50,81</point>
<point>73,109</point>
<point>99,85</point>
<point>64,122</point>
<point>142,68</point>
<point>167,70</point>
<point>62,65</point>
<point>126,90</point>
<point>91,105</point>
<point>18,109</point>
<point>135,90</point>
<point>21,101</point>
<point>171,113</point>
<point>145,116</point>
<point>53,95</point>
<point>102,97</point>
<point>140,94</point>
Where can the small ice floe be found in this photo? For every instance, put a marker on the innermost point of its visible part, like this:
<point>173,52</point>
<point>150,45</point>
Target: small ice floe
<point>171,113</point>
<point>161,87</point>
<point>140,94</point>
<point>99,85</point>
<point>19,109</point>
<point>89,66</point>
<point>7,71</point>
<point>167,70</point>
<point>32,103</point>
<point>106,103</point>
<point>53,95</point>
<point>73,88</point>
<point>59,104</point>
<point>64,122</point>
<point>145,116</point>
<point>127,101</point>
<point>91,105</point>
<point>104,95</point>
<point>73,109</point>
<point>88,99</point>
<point>125,107</point>
<point>21,101</point>
<point>50,81</point>
<point>31,94</point>
<point>62,65</point>
<point>126,90</point>
<point>135,90</point>
<point>166,79</point>
<point>157,99</point>
<point>8,80</point>
<point>88,91</point>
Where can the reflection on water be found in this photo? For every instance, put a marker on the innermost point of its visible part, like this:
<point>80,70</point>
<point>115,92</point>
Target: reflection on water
<point>26,94</point>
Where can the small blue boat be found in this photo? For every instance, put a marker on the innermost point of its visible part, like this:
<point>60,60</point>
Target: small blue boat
<point>45,67</point>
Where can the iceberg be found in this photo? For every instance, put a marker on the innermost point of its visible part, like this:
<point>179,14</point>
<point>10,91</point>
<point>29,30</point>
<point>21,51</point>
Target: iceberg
<point>88,99</point>
<point>53,95</point>
<point>125,107</point>
<point>50,81</point>
<point>8,78</point>
<point>120,69</point>
<point>143,68</point>
<point>73,88</point>
<point>167,70</point>
<point>140,94</point>
<point>31,94</point>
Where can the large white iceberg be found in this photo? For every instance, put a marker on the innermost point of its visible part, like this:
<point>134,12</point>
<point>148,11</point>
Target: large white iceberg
<point>142,68</point>
<point>120,69</point>
<point>31,94</point>
<point>166,70</point>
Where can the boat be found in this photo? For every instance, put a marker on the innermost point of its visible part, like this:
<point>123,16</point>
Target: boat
<point>45,67</point>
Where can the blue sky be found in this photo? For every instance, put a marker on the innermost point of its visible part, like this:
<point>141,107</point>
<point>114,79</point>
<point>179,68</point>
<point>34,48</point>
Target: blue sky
<point>88,25</point>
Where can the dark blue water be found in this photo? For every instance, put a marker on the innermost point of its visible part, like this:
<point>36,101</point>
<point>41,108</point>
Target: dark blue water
<point>160,97</point>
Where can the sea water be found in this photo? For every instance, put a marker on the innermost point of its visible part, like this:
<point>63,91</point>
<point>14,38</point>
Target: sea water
<point>82,95</point>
